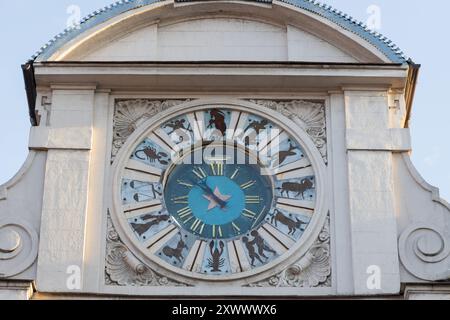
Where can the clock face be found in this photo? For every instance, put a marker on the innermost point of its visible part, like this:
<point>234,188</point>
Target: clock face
<point>218,192</point>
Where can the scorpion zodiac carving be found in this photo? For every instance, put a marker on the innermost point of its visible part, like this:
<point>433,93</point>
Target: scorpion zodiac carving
<point>298,188</point>
<point>218,121</point>
<point>176,252</point>
<point>216,262</point>
<point>293,225</point>
<point>153,220</point>
<point>152,155</point>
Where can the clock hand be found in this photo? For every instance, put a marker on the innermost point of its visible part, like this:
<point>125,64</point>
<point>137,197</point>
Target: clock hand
<point>208,190</point>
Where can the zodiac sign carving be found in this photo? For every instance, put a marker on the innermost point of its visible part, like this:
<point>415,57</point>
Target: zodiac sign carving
<point>177,252</point>
<point>258,125</point>
<point>216,263</point>
<point>177,125</point>
<point>299,188</point>
<point>283,155</point>
<point>154,220</point>
<point>261,246</point>
<point>137,196</point>
<point>153,156</point>
<point>293,225</point>
<point>218,121</point>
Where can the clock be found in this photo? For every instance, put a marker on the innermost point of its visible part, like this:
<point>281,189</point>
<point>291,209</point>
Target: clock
<point>218,191</point>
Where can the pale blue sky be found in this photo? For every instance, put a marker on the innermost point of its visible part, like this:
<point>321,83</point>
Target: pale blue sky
<point>418,27</point>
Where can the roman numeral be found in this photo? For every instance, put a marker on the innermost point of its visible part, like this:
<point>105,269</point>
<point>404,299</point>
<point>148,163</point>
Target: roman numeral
<point>216,230</point>
<point>198,224</point>
<point>180,182</point>
<point>217,169</point>
<point>249,214</point>
<point>248,184</point>
<point>181,200</point>
<point>234,175</point>
<point>184,213</point>
<point>252,199</point>
<point>235,227</point>
<point>200,173</point>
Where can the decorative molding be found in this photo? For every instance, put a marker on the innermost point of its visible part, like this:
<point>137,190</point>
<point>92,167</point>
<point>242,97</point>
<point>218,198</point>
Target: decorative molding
<point>129,114</point>
<point>18,247</point>
<point>311,271</point>
<point>124,269</point>
<point>425,252</point>
<point>310,116</point>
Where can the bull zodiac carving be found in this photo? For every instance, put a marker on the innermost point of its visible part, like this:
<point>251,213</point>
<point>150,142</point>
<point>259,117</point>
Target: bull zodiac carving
<point>293,225</point>
<point>295,187</point>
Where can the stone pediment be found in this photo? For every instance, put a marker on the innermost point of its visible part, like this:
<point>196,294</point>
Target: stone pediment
<point>297,31</point>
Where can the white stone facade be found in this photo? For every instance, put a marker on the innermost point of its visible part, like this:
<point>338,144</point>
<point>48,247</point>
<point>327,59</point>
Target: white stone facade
<point>385,231</point>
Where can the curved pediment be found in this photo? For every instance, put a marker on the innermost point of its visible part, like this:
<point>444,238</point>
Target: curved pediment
<point>257,30</point>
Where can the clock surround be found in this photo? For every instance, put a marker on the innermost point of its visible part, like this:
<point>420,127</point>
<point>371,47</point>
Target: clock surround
<point>248,276</point>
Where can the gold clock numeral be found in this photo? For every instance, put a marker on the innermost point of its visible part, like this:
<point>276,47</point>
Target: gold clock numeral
<point>197,224</point>
<point>185,212</point>
<point>200,173</point>
<point>248,184</point>
<point>235,227</point>
<point>217,168</point>
<point>252,200</point>
<point>249,214</point>
<point>181,200</point>
<point>180,182</point>
<point>234,175</point>
<point>216,230</point>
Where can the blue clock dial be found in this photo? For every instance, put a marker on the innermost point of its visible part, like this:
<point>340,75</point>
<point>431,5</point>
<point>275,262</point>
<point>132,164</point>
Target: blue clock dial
<point>218,201</point>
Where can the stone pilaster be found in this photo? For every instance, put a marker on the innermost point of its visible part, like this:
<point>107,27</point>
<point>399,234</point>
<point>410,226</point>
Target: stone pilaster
<point>370,144</point>
<point>65,199</point>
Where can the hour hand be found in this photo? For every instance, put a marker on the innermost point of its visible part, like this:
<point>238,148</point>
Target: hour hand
<point>212,202</point>
<point>212,196</point>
